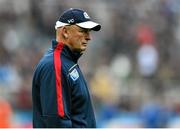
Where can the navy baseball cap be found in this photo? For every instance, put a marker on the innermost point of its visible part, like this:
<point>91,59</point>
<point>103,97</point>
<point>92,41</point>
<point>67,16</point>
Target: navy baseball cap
<point>77,17</point>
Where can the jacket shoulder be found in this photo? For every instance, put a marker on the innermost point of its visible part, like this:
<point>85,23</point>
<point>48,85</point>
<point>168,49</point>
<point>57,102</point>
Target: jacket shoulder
<point>67,64</point>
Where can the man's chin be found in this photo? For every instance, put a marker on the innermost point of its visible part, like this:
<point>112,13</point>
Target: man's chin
<point>80,50</point>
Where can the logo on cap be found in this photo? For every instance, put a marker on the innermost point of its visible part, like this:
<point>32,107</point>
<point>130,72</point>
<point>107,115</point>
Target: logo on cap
<point>86,15</point>
<point>71,21</point>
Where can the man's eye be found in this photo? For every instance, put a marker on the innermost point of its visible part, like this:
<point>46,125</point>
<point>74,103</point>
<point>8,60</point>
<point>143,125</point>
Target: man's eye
<point>84,30</point>
<point>81,30</point>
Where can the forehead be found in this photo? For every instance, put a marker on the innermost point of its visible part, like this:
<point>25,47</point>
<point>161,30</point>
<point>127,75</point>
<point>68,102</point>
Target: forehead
<point>79,28</point>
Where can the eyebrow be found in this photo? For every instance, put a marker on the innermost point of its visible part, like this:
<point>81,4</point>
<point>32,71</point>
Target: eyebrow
<point>80,28</point>
<point>84,29</point>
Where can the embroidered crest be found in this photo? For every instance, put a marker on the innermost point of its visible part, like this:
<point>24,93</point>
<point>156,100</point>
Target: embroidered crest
<point>71,21</point>
<point>86,15</point>
<point>74,75</point>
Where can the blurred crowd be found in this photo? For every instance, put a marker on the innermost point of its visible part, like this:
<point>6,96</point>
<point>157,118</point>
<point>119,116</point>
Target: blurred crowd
<point>132,65</point>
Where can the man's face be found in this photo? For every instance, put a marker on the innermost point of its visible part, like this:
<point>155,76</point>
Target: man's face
<point>78,38</point>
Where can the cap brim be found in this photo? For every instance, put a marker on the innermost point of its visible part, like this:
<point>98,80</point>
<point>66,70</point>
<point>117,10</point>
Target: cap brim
<point>60,24</point>
<point>87,25</point>
<point>90,25</point>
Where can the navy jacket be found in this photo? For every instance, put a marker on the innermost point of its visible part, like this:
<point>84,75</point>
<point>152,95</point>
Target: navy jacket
<point>59,91</point>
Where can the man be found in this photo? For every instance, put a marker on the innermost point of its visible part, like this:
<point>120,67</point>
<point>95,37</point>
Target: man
<point>60,93</point>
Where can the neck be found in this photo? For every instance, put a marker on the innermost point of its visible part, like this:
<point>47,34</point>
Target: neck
<point>62,40</point>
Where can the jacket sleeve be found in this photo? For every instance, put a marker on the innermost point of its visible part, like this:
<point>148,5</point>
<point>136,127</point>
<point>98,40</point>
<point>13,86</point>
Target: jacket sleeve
<point>55,99</point>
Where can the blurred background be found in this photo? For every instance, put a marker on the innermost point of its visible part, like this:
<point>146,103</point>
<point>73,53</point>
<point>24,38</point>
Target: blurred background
<point>132,65</point>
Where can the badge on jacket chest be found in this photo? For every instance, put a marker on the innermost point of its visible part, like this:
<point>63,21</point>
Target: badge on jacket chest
<point>74,75</point>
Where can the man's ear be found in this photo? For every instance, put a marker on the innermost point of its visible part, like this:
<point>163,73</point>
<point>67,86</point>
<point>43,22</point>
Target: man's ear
<point>65,32</point>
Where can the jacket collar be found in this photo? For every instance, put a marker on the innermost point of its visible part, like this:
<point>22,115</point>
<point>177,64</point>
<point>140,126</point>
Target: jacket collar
<point>66,51</point>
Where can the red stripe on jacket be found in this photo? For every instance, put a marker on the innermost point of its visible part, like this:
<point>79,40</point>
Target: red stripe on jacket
<point>57,65</point>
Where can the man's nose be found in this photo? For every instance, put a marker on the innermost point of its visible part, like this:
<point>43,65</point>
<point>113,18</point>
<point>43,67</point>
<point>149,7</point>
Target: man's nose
<point>88,36</point>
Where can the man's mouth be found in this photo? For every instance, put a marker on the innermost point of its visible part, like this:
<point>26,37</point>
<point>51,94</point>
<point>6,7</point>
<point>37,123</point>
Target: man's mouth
<point>85,44</point>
